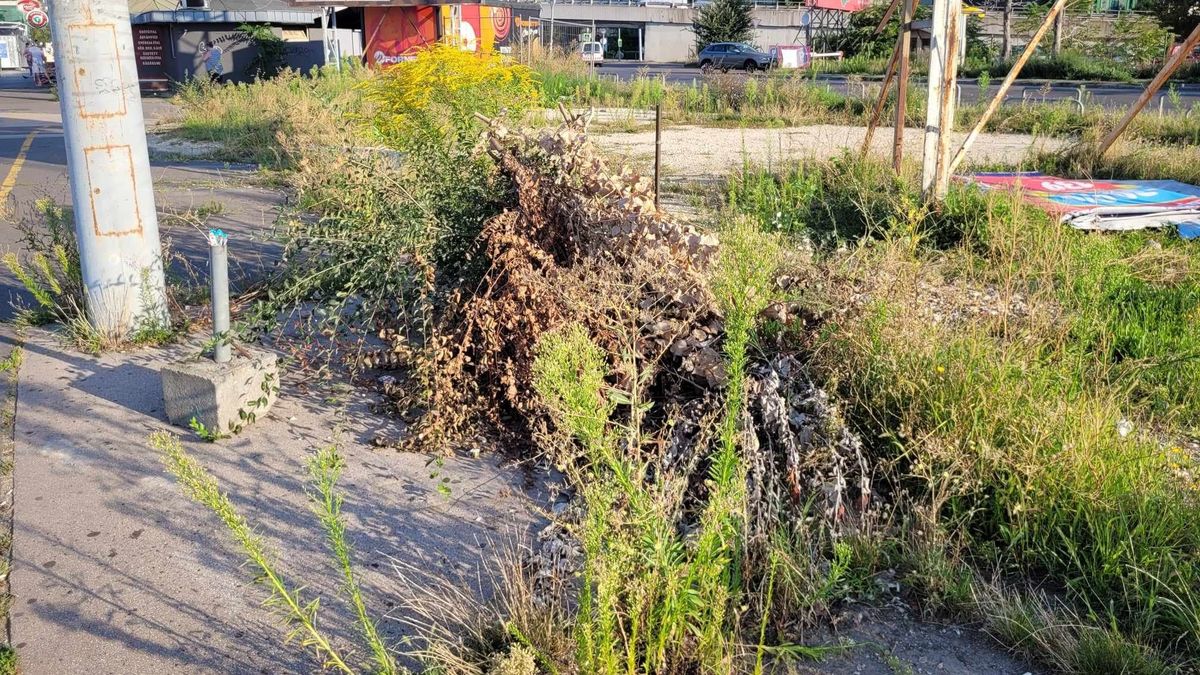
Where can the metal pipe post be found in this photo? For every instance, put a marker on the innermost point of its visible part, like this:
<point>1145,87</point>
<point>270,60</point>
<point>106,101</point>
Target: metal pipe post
<point>657,147</point>
<point>337,44</point>
<point>116,224</point>
<point>218,288</point>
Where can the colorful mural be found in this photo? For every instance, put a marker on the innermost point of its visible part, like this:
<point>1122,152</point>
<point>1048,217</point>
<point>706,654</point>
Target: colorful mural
<point>482,28</point>
<point>391,34</point>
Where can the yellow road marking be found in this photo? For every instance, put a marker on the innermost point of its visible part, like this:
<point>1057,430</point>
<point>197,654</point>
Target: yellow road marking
<point>10,181</point>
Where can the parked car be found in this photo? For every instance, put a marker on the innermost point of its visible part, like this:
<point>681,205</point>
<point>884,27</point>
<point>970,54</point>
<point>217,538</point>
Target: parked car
<point>592,52</point>
<point>726,55</point>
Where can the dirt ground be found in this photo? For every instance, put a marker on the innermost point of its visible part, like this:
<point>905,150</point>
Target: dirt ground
<point>696,153</point>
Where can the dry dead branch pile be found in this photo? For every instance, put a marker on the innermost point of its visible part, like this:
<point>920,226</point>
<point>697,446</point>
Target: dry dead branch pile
<point>584,244</point>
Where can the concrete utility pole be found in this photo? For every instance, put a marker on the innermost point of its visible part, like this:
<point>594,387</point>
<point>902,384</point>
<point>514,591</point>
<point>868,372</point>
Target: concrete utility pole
<point>116,224</point>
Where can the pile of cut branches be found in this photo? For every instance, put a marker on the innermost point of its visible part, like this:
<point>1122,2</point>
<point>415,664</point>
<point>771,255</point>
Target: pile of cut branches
<point>586,245</point>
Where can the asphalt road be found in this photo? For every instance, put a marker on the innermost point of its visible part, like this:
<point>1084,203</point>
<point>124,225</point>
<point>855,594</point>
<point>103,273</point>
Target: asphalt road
<point>1107,95</point>
<point>33,165</point>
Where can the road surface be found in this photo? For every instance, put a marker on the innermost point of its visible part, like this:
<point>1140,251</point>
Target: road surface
<point>33,165</point>
<point>1109,95</point>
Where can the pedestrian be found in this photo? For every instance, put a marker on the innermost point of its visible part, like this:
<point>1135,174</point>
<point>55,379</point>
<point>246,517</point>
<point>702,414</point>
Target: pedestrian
<point>37,64</point>
<point>212,63</point>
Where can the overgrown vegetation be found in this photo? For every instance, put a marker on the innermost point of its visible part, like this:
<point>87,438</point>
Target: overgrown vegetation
<point>1030,385</point>
<point>49,271</point>
<point>838,382</point>
<point>796,99</point>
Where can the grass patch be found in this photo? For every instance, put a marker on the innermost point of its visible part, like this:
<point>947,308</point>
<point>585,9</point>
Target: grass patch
<point>1041,436</point>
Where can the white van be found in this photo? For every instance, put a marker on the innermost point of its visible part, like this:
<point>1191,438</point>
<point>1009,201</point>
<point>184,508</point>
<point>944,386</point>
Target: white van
<point>592,52</point>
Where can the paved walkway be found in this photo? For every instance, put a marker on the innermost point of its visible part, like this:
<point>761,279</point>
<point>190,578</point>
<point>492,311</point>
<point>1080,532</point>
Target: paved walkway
<point>115,571</point>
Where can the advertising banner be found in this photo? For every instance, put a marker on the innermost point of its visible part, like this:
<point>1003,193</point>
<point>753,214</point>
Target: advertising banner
<point>842,5</point>
<point>482,28</point>
<point>1105,204</point>
<point>392,34</point>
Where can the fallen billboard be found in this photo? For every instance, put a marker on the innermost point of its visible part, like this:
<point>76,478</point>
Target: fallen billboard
<point>1105,204</point>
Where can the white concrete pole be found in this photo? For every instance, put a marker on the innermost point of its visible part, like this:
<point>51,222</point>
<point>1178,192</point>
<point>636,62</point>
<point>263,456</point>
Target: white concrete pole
<point>116,224</point>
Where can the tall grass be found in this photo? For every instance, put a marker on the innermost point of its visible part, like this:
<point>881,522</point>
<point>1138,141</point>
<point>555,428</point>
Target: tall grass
<point>1044,437</point>
<point>244,120</point>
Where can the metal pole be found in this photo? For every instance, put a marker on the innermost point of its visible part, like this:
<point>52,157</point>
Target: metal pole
<point>218,288</point>
<point>337,44</point>
<point>998,99</point>
<point>552,27</point>
<point>1165,74</point>
<point>905,46</point>
<point>325,34</point>
<point>116,225</point>
<point>657,148</point>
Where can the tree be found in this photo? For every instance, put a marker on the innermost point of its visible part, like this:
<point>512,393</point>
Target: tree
<point>723,21</point>
<point>270,50</point>
<point>860,38</point>
<point>1006,43</point>
<point>1181,16</point>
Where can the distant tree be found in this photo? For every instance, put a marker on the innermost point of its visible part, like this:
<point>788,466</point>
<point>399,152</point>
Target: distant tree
<point>1180,16</point>
<point>859,37</point>
<point>270,50</point>
<point>723,21</point>
<point>40,35</point>
<point>1006,42</point>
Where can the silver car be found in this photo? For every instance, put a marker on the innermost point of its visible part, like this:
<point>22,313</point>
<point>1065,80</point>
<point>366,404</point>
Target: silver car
<point>726,55</point>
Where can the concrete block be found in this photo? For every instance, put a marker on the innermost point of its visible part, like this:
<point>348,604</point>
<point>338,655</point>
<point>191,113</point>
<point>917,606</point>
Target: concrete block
<point>223,397</point>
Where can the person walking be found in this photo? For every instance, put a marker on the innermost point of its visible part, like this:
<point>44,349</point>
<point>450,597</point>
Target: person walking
<point>212,63</point>
<point>37,64</point>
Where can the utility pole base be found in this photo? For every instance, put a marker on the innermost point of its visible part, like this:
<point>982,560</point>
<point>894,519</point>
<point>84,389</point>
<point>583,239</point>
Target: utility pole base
<point>224,397</point>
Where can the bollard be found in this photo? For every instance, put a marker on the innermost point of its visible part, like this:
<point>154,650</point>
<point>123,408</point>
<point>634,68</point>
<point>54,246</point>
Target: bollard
<point>218,285</point>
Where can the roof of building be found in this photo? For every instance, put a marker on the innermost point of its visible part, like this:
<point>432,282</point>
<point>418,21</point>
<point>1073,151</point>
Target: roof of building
<point>221,11</point>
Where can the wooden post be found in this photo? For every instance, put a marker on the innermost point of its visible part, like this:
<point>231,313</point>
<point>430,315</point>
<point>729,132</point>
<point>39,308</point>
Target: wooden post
<point>657,148</point>
<point>877,109</point>
<point>998,99</point>
<point>939,116</point>
<point>955,21</point>
<point>905,47</point>
<point>1159,80</point>
<point>887,16</point>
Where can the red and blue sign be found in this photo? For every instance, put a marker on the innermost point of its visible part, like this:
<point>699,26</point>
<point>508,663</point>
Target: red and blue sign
<point>1106,204</point>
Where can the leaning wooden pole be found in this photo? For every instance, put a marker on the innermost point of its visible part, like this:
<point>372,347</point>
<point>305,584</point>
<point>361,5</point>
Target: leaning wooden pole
<point>998,99</point>
<point>887,16</point>
<point>902,75</point>
<point>877,109</point>
<point>1159,80</point>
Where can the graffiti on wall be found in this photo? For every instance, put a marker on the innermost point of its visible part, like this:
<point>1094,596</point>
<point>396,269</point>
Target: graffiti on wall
<point>393,33</point>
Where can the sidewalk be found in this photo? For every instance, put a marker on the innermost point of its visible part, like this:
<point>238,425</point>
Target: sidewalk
<point>115,571</point>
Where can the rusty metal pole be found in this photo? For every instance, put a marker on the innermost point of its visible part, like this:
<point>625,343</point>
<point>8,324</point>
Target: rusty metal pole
<point>1159,80</point>
<point>116,225</point>
<point>905,47</point>
<point>657,148</point>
